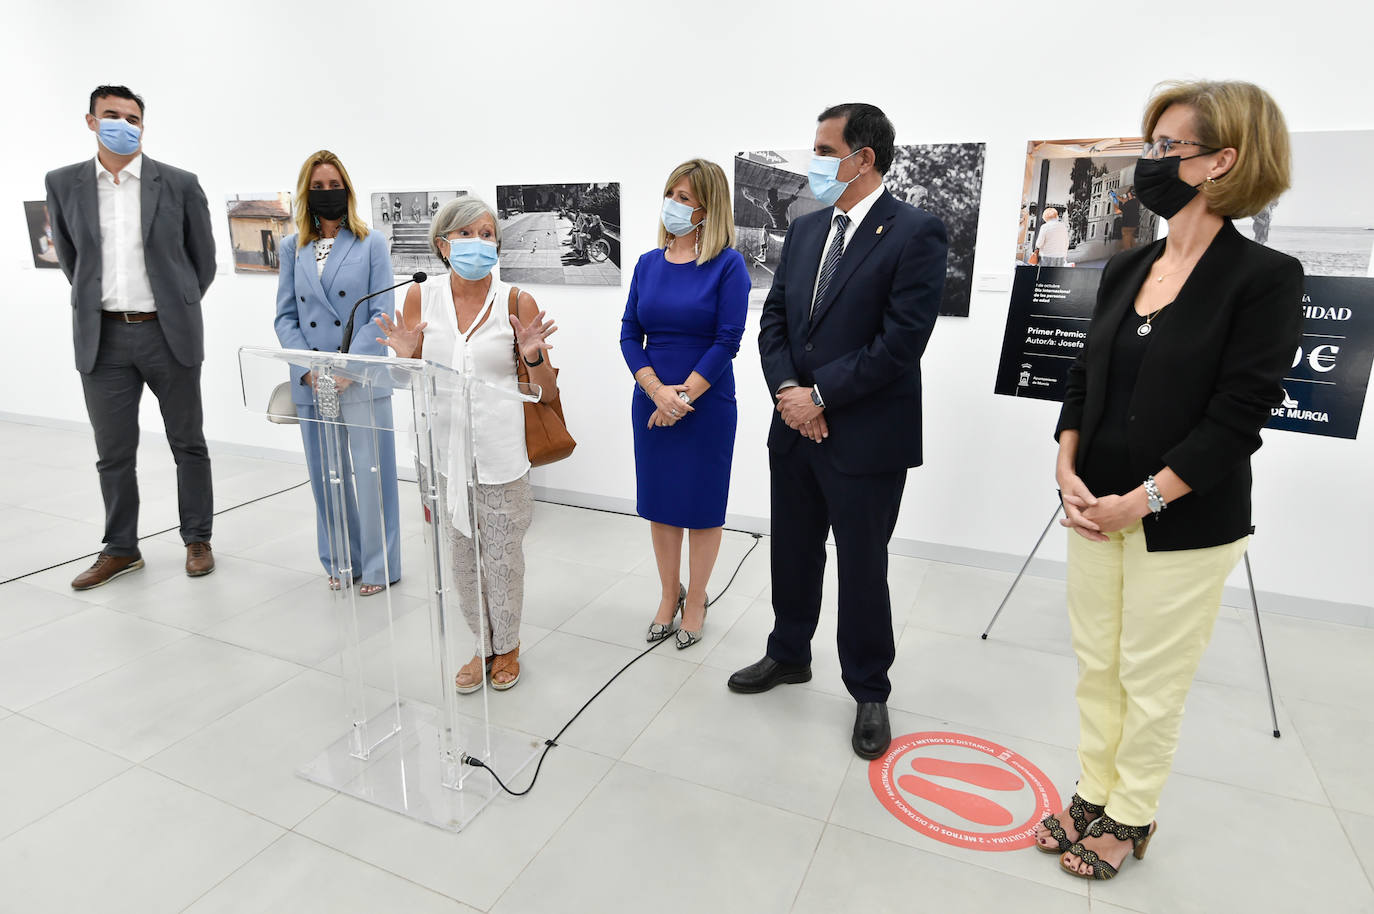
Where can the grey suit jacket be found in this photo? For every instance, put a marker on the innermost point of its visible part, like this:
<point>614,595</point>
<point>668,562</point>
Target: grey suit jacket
<point>179,251</point>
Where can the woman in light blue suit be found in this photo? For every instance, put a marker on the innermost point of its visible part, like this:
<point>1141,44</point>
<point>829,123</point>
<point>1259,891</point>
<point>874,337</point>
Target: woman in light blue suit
<point>330,263</point>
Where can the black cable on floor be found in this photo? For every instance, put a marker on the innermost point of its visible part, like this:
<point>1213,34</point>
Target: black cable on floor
<point>550,743</point>
<point>78,558</point>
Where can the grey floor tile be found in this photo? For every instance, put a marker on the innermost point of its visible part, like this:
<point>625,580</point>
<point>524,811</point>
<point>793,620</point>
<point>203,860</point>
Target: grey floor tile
<point>476,865</point>
<point>853,871</point>
<point>638,822</point>
<point>301,876</point>
<point>143,845</point>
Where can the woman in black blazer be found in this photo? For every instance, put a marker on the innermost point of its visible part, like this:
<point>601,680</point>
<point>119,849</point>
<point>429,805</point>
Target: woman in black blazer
<point>1184,360</point>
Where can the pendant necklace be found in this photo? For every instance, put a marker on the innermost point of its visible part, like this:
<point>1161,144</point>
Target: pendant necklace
<point>1144,329</point>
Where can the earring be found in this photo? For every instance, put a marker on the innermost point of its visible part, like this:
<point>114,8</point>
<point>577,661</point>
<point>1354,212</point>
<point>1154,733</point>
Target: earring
<point>315,221</point>
<point>698,240</point>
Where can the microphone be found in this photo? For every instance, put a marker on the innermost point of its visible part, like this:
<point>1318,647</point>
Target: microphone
<point>347,339</point>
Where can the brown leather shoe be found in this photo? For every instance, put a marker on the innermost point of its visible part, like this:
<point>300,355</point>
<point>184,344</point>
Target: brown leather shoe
<point>199,559</point>
<point>106,569</point>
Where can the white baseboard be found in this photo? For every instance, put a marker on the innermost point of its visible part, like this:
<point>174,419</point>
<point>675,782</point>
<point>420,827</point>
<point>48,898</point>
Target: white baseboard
<point>1269,602</point>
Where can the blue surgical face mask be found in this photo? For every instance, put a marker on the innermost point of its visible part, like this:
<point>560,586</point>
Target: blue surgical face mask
<point>822,178</point>
<point>119,136</point>
<point>677,217</point>
<point>471,258</point>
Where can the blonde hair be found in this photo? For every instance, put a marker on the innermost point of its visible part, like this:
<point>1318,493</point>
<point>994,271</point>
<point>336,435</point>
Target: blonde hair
<point>305,223</point>
<point>1240,116</point>
<point>709,186</point>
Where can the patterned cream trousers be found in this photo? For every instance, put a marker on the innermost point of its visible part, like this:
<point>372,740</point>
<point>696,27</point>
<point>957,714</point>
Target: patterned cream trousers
<point>504,513</point>
<point>1141,622</point>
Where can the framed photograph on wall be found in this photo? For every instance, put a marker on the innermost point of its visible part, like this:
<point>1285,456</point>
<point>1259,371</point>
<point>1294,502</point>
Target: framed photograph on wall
<point>403,217</point>
<point>257,224</point>
<point>40,235</point>
<point>945,179</point>
<point>560,234</point>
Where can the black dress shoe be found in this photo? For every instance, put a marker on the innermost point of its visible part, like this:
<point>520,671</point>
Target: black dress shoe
<point>762,676</point>
<point>872,732</point>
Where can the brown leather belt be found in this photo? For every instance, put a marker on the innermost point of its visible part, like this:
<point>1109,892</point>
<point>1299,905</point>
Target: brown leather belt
<point>131,317</point>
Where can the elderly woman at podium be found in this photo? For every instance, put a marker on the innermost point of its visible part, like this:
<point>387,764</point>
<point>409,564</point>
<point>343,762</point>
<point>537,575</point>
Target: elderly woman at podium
<point>328,264</point>
<point>1188,345</point>
<point>475,323</point>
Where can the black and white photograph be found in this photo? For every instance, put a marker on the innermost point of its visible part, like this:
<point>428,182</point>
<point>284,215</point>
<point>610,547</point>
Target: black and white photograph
<point>403,217</point>
<point>1078,203</point>
<point>945,179</point>
<point>40,235</point>
<point>1326,219</point>
<point>257,224</point>
<point>560,234</point>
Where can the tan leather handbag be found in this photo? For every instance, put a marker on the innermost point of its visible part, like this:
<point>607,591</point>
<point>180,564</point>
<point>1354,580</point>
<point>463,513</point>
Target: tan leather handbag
<point>546,433</point>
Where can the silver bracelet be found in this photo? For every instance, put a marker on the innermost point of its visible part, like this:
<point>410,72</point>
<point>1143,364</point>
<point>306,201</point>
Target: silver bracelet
<point>1152,496</point>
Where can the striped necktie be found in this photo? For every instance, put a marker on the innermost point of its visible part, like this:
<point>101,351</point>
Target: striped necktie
<point>832,259</point>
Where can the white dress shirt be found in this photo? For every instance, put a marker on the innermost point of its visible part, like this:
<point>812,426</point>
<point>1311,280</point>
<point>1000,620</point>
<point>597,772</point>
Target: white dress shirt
<point>856,215</point>
<point>124,283</point>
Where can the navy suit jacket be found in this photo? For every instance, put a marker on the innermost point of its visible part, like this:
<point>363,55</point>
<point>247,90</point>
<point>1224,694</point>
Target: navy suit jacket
<point>862,345</point>
<point>312,307</point>
<point>178,250</point>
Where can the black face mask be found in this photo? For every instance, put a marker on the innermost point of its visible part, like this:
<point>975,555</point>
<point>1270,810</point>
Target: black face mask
<point>329,204</point>
<point>1160,189</point>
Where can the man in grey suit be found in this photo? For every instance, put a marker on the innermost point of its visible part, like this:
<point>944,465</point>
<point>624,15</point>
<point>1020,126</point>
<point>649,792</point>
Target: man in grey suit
<point>133,237</point>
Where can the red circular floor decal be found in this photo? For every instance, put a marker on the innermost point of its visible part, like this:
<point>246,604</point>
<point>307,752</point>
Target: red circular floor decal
<point>963,790</point>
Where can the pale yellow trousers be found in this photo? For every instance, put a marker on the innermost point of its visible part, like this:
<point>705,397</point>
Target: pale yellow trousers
<point>1141,621</point>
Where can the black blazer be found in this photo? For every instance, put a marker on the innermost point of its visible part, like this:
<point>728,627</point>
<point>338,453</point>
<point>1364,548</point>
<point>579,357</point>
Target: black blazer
<point>178,249</point>
<point>1212,373</point>
<point>862,346</point>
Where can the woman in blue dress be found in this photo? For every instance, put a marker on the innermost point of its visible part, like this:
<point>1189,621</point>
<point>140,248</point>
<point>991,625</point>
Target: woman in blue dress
<point>682,327</point>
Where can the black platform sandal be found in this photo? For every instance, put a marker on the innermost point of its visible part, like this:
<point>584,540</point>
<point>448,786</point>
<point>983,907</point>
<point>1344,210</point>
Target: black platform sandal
<point>1138,835</point>
<point>1081,812</point>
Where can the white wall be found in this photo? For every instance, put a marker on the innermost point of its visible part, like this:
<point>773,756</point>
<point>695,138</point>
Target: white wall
<point>433,95</point>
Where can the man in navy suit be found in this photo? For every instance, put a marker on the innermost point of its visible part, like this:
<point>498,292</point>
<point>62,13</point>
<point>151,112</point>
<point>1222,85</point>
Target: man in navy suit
<point>852,305</point>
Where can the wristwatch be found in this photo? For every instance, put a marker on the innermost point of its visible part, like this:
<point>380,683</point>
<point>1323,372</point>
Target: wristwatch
<point>816,398</point>
<point>682,395</point>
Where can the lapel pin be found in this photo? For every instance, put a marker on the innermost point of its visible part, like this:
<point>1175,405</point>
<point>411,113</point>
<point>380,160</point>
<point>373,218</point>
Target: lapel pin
<point>879,231</point>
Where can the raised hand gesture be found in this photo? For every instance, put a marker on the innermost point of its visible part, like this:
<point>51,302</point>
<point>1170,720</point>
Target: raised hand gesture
<point>532,338</point>
<point>404,340</point>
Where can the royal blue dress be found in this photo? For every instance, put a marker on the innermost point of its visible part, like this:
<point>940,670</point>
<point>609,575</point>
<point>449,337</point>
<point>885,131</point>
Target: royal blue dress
<point>680,318</point>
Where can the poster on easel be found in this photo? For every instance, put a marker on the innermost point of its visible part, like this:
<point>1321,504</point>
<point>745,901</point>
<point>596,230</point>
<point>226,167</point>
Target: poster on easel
<point>1323,222</point>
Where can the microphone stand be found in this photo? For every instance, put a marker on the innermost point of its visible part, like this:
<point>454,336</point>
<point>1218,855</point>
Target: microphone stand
<point>326,386</point>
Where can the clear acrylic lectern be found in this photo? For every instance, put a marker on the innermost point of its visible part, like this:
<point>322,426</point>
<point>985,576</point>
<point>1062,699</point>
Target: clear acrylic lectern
<point>399,751</point>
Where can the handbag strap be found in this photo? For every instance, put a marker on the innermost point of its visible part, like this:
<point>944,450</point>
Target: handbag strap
<point>522,374</point>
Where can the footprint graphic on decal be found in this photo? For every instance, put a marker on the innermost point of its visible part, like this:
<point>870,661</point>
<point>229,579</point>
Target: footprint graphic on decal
<point>970,806</point>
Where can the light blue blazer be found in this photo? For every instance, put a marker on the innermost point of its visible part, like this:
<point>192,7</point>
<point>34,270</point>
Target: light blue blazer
<point>312,308</point>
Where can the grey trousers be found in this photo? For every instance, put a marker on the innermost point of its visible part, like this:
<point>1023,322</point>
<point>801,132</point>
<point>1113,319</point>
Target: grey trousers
<point>132,355</point>
<point>504,513</point>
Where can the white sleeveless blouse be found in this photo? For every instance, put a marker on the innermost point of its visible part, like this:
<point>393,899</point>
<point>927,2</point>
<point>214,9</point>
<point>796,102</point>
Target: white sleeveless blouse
<point>488,351</point>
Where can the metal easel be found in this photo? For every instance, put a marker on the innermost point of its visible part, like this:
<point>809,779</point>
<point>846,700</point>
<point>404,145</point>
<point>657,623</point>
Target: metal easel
<point>1254,603</point>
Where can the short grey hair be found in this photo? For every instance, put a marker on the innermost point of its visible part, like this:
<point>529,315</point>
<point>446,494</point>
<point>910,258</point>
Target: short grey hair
<point>455,214</point>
